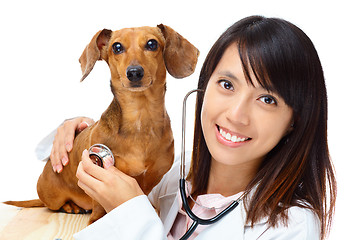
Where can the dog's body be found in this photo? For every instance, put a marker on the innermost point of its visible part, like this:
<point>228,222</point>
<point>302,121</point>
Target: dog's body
<point>135,126</point>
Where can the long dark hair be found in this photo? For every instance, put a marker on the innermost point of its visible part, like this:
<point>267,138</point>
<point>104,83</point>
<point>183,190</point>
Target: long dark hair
<point>298,171</point>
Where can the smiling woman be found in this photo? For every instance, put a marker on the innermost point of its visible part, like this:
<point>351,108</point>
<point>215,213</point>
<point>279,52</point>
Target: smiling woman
<point>262,123</point>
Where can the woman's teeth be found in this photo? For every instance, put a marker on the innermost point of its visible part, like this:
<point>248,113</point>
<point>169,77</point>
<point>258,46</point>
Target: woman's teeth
<point>232,138</point>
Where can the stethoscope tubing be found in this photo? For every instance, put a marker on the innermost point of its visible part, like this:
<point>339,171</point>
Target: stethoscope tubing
<point>182,157</point>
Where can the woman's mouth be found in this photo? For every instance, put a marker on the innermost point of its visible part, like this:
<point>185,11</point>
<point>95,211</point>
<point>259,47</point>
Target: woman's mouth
<point>227,137</point>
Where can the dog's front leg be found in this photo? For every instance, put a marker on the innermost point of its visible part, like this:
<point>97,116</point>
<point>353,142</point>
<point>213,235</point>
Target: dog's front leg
<point>97,212</point>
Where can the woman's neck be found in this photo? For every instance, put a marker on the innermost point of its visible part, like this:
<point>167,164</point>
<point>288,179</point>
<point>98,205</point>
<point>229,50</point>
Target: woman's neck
<point>229,180</point>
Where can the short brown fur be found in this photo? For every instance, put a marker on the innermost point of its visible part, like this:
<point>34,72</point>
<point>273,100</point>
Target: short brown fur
<point>136,126</point>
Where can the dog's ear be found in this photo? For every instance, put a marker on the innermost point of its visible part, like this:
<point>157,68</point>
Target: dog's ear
<point>93,52</point>
<point>180,55</point>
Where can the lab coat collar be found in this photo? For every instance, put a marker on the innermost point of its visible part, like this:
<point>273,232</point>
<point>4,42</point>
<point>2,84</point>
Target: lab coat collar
<point>232,224</point>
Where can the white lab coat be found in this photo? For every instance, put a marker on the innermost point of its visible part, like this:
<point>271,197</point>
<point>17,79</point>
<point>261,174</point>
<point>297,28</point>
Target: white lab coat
<point>137,219</point>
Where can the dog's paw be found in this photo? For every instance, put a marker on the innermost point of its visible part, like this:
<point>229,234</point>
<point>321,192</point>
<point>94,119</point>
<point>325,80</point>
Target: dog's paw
<point>72,208</point>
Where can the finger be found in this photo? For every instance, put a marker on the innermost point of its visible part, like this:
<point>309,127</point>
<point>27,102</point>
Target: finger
<point>118,172</point>
<point>96,149</point>
<point>63,142</point>
<point>69,130</point>
<point>91,168</point>
<point>57,166</point>
<point>71,127</point>
<point>86,181</point>
<point>126,178</point>
<point>88,190</point>
<point>56,153</point>
<point>69,137</point>
<point>108,162</point>
<point>61,155</point>
<point>82,126</point>
<point>53,160</point>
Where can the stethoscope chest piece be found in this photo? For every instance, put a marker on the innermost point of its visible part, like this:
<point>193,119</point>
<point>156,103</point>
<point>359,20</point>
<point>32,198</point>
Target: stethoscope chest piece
<point>98,152</point>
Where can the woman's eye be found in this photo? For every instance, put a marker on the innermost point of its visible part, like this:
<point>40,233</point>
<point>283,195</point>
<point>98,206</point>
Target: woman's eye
<point>226,85</point>
<point>268,100</point>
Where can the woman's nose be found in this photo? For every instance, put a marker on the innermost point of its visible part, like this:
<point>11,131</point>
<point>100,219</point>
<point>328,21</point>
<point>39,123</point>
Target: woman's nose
<point>239,112</point>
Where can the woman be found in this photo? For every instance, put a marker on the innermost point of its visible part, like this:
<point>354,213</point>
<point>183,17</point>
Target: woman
<point>260,133</point>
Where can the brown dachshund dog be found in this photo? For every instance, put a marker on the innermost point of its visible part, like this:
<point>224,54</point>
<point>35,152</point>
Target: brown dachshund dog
<point>136,126</point>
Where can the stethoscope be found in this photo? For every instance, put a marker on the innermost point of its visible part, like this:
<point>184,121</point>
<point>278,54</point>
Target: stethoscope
<point>182,183</point>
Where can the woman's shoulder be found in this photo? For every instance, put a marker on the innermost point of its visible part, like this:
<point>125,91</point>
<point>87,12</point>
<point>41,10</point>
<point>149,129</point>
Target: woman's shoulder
<point>299,213</point>
<point>304,220</point>
<point>305,216</point>
<point>302,224</point>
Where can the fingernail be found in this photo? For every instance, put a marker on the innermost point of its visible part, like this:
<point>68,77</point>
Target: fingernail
<point>68,147</point>
<point>85,153</point>
<point>64,161</point>
<point>86,123</point>
<point>108,162</point>
<point>54,168</point>
<point>59,168</point>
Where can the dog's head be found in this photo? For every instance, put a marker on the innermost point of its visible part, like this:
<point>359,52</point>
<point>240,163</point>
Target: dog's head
<point>138,57</point>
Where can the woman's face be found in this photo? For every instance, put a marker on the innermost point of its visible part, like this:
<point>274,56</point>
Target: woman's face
<point>241,123</point>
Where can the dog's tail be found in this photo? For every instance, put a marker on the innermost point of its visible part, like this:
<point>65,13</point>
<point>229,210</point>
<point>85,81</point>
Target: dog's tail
<point>26,204</point>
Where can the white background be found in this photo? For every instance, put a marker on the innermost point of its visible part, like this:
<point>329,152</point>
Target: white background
<point>41,41</point>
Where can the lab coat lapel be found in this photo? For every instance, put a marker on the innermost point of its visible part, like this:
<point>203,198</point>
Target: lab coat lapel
<point>230,226</point>
<point>169,205</point>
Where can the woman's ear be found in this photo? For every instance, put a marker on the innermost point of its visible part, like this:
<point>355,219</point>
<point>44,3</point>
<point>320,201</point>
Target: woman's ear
<point>180,55</point>
<point>291,128</point>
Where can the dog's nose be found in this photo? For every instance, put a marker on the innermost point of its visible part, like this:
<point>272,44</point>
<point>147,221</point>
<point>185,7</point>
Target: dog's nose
<point>135,73</point>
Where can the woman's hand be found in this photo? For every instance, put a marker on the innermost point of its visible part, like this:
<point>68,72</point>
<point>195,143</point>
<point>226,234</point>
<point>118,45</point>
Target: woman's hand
<point>108,186</point>
<point>64,139</point>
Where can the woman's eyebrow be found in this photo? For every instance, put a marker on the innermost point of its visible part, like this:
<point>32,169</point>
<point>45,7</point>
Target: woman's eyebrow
<point>228,74</point>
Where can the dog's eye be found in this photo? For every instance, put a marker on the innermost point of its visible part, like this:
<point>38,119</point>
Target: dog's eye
<point>117,48</point>
<point>152,45</point>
